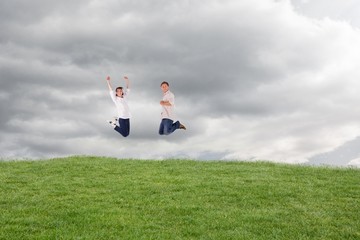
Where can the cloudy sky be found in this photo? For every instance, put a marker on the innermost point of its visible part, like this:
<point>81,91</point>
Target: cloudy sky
<point>274,80</point>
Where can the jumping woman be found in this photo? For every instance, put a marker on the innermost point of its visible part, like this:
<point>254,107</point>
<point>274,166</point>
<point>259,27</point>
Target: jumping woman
<point>121,124</point>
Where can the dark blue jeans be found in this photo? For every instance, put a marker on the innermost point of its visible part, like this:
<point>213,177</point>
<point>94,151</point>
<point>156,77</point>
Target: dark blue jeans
<point>124,128</point>
<point>168,126</point>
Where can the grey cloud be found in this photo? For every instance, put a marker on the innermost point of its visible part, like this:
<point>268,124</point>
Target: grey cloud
<point>22,11</point>
<point>338,10</point>
<point>220,64</point>
<point>340,156</point>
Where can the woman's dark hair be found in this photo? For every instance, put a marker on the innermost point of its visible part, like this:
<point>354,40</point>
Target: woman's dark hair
<point>164,83</point>
<point>117,89</point>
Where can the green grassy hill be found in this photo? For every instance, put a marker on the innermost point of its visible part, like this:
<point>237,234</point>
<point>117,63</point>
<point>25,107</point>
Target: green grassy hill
<point>104,198</point>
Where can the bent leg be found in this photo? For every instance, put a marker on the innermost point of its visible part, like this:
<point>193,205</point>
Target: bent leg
<point>167,126</point>
<point>124,127</point>
<point>174,126</point>
<point>161,128</point>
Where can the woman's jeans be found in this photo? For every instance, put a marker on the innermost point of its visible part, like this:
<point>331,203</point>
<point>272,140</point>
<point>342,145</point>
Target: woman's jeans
<point>124,128</point>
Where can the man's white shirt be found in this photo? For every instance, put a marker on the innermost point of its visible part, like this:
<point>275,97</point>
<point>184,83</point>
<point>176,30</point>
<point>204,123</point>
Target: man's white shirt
<point>168,111</point>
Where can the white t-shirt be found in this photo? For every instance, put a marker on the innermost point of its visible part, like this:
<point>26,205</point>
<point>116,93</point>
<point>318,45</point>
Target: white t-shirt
<point>121,104</point>
<point>168,111</point>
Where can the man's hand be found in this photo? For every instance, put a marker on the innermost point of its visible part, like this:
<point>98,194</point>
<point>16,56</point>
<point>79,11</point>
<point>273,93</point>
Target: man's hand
<point>126,78</point>
<point>165,103</point>
<point>108,78</point>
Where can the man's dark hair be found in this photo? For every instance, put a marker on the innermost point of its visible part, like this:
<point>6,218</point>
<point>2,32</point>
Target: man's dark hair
<point>164,83</point>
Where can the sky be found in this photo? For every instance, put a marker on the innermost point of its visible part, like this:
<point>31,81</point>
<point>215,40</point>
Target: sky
<point>273,80</point>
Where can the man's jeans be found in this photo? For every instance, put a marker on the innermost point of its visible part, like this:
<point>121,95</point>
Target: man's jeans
<point>168,126</point>
<point>124,128</point>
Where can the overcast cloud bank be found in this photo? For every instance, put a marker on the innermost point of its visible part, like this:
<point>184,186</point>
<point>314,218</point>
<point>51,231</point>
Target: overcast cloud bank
<point>252,79</point>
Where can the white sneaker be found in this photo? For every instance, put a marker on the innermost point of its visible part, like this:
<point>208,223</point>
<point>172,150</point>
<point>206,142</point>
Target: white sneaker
<point>112,123</point>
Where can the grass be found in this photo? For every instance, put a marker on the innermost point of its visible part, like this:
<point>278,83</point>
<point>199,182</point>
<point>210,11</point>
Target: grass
<point>105,198</point>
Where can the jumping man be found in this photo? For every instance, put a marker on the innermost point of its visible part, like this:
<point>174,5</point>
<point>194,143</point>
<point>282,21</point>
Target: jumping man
<point>167,124</point>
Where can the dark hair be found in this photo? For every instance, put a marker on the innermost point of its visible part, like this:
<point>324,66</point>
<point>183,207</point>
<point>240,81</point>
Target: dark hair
<point>164,83</point>
<point>117,89</point>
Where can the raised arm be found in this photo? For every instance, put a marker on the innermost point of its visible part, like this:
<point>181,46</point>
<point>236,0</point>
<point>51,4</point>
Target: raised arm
<point>108,83</point>
<point>127,82</point>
